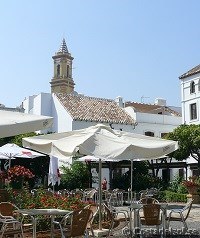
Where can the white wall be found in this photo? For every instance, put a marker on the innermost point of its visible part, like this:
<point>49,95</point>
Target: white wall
<point>153,122</point>
<point>39,105</point>
<point>28,104</point>
<point>187,99</point>
<point>62,119</point>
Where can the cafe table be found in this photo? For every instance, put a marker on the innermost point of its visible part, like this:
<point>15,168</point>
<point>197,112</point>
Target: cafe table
<point>34,213</point>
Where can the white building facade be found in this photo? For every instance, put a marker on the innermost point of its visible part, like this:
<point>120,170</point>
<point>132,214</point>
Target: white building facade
<point>190,102</point>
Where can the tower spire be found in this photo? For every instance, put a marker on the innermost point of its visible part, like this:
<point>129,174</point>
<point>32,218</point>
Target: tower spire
<point>63,47</point>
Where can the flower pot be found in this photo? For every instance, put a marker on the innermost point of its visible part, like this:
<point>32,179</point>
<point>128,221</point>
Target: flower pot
<point>193,189</point>
<point>17,183</point>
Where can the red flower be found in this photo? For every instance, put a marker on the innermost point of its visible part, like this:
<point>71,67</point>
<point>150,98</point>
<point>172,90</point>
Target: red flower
<point>19,171</point>
<point>193,181</point>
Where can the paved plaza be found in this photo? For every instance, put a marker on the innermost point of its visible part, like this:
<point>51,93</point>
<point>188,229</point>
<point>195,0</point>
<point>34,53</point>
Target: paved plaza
<point>176,228</point>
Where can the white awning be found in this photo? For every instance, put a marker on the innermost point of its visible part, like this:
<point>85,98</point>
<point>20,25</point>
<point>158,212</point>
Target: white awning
<point>15,123</point>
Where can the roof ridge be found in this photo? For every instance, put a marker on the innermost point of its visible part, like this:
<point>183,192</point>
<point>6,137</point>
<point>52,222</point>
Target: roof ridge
<point>84,96</point>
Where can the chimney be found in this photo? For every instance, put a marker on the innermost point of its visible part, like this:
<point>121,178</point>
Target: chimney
<point>160,102</point>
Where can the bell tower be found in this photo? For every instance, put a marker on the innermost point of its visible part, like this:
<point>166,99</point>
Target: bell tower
<point>62,81</point>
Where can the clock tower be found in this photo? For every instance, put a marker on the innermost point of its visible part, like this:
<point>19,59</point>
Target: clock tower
<point>62,81</point>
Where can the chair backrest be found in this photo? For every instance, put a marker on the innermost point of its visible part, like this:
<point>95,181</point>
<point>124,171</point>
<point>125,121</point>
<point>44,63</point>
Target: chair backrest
<point>152,191</point>
<point>91,194</point>
<point>80,220</point>
<point>7,208</point>
<point>63,192</point>
<point>148,200</point>
<point>142,193</point>
<point>187,209</point>
<point>151,214</point>
<point>94,208</point>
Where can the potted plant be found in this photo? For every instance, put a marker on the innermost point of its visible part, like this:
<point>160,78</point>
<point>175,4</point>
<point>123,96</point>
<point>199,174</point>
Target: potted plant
<point>192,185</point>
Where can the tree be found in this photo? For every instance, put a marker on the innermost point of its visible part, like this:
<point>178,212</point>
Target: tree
<point>188,137</point>
<point>75,176</point>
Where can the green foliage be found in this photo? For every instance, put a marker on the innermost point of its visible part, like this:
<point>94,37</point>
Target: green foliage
<point>176,185</point>
<point>188,137</point>
<point>75,176</point>
<point>182,189</point>
<point>175,197</point>
<point>161,196</point>
<point>16,139</point>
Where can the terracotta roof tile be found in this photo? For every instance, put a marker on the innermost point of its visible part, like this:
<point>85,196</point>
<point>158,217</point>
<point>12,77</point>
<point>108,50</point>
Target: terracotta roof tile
<point>152,108</point>
<point>94,109</point>
<point>192,71</point>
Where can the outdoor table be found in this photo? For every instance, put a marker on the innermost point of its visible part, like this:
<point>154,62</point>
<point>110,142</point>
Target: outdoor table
<point>44,212</point>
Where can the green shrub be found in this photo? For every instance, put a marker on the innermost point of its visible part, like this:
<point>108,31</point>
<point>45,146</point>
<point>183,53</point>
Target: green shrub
<point>182,189</point>
<point>161,196</point>
<point>75,176</point>
<point>175,197</point>
<point>175,184</point>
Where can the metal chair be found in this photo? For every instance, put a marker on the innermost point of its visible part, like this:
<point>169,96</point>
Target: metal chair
<point>111,218</point>
<point>147,200</point>
<point>9,220</point>
<point>78,223</point>
<point>142,194</point>
<point>64,192</point>
<point>90,195</point>
<point>95,209</point>
<point>151,192</point>
<point>180,215</point>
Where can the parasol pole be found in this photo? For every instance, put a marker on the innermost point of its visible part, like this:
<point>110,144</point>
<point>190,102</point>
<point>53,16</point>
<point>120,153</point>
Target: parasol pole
<point>100,195</point>
<point>131,180</point>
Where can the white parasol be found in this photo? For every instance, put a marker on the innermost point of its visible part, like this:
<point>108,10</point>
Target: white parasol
<point>12,151</point>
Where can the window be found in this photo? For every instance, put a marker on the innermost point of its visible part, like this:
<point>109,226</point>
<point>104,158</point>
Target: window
<point>67,71</point>
<point>192,87</point>
<point>199,85</point>
<point>181,173</point>
<point>193,111</point>
<point>58,70</point>
<point>166,175</point>
<point>195,172</point>
<point>149,133</point>
<point>163,134</point>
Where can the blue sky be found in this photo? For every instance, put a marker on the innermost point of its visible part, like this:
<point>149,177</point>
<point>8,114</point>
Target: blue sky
<point>134,49</point>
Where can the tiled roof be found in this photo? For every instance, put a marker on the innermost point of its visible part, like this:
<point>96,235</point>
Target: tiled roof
<point>94,109</point>
<point>152,108</point>
<point>192,71</point>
